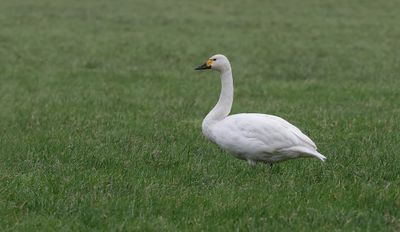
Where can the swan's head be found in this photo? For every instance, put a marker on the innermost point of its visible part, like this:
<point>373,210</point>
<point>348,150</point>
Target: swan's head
<point>217,62</point>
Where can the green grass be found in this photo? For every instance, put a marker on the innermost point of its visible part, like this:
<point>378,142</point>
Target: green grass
<point>100,114</point>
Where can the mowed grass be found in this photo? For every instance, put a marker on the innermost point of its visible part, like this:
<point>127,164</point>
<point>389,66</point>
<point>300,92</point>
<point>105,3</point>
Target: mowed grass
<point>101,111</point>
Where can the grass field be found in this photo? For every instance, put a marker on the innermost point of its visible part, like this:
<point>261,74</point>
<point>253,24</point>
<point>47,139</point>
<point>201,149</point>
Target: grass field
<point>101,111</point>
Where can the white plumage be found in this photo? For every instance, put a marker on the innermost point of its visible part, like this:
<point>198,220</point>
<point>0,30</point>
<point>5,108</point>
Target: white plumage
<point>250,136</point>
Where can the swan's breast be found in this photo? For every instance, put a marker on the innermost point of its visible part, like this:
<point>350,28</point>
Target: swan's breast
<point>206,128</point>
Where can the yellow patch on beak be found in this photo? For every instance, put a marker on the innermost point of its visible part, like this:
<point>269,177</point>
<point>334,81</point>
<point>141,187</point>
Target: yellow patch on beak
<point>209,62</point>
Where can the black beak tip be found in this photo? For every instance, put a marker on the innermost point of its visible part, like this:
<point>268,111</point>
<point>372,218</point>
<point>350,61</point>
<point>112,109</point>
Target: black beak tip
<point>202,67</point>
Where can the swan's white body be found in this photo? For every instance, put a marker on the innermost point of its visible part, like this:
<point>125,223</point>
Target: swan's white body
<point>251,136</point>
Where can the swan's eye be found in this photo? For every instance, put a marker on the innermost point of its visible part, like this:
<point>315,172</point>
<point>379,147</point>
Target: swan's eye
<point>214,59</point>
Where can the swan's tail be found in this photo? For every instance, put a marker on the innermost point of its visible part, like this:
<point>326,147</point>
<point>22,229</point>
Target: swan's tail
<point>318,155</point>
<point>314,153</point>
<point>308,152</point>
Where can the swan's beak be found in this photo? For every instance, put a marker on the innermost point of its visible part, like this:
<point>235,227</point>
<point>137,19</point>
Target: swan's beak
<point>205,65</point>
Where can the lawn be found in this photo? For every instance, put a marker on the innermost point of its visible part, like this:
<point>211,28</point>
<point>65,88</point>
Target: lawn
<point>101,111</point>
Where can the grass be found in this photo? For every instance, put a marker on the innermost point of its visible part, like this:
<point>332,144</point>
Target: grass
<point>100,114</point>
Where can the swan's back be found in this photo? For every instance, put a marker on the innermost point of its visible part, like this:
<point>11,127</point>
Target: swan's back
<point>293,129</point>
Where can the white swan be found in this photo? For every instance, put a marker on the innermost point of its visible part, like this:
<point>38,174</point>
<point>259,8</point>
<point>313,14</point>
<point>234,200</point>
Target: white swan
<point>251,136</point>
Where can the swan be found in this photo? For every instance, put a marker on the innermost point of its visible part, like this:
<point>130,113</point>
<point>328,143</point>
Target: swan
<point>252,137</point>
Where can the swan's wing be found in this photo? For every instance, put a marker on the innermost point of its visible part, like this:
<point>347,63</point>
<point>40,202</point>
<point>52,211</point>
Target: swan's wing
<point>258,133</point>
<point>293,129</point>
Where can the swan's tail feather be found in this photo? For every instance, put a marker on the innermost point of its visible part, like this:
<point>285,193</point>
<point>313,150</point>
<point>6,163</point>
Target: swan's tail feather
<point>319,156</point>
<point>308,152</point>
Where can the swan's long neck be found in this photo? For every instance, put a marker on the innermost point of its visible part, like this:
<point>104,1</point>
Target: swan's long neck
<point>223,107</point>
